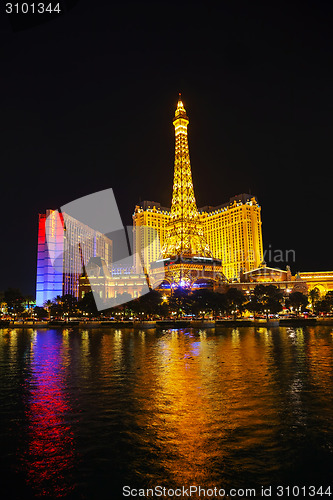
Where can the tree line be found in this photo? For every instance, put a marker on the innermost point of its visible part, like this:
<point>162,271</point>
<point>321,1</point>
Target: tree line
<point>263,300</point>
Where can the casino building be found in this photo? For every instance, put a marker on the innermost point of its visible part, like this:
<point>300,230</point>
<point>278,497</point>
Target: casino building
<point>232,230</point>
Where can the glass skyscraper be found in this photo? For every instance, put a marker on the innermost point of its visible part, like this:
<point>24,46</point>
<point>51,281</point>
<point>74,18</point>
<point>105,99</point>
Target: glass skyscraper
<point>65,245</point>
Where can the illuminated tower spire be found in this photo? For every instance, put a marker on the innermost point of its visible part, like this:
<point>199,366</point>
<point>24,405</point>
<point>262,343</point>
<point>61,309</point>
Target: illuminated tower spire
<point>184,232</point>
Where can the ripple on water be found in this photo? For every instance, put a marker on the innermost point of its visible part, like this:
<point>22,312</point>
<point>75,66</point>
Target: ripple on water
<point>82,412</point>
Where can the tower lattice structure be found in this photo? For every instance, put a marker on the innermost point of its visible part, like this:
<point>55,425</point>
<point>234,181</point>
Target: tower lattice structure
<point>185,236</point>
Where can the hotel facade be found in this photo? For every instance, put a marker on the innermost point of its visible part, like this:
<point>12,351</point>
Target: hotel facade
<point>65,245</point>
<point>233,232</point>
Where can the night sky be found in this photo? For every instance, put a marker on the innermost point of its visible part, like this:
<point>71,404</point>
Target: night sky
<point>87,101</point>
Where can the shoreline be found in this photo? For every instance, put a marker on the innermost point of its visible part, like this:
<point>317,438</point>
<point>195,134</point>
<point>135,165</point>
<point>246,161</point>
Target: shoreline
<point>174,324</point>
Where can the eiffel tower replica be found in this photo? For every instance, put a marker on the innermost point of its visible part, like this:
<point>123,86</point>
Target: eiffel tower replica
<point>187,260</point>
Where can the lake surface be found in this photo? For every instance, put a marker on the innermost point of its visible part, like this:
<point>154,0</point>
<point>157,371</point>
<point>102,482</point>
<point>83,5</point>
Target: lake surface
<point>85,412</point>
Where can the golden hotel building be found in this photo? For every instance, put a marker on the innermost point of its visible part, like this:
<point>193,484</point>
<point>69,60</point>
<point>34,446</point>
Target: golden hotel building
<point>233,232</point>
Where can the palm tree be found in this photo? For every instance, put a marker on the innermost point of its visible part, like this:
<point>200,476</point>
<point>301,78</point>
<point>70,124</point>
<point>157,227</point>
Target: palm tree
<point>47,305</point>
<point>314,295</point>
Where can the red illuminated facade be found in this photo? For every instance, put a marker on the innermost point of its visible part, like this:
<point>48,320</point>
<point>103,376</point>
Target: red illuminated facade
<point>64,246</point>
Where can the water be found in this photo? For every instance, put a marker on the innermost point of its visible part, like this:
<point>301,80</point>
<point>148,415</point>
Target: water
<point>85,412</point>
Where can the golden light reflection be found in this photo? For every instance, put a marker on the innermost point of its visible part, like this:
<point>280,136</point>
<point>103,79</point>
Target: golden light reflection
<point>118,349</point>
<point>296,388</point>
<point>235,336</point>
<point>202,392</point>
<point>319,349</point>
<point>266,335</point>
<point>203,334</point>
<point>85,357</point>
<point>107,354</point>
<point>12,343</point>
<point>65,354</point>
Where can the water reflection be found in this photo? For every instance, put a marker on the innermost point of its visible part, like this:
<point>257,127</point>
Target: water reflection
<point>212,403</point>
<point>12,340</point>
<point>174,410</point>
<point>198,395</point>
<point>49,453</point>
<point>235,407</point>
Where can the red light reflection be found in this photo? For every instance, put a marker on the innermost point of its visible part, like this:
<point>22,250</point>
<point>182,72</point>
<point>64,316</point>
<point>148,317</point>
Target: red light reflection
<point>49,457</point>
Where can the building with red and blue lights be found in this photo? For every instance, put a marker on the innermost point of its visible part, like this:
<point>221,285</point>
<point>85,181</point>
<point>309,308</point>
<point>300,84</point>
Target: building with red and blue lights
<point>65,245</point>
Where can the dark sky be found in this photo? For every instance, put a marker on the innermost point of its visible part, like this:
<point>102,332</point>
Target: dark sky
<point>87,101</point>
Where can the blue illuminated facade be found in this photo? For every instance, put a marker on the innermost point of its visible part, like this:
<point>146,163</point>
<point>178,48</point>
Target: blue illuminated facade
<point>64,246</point>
